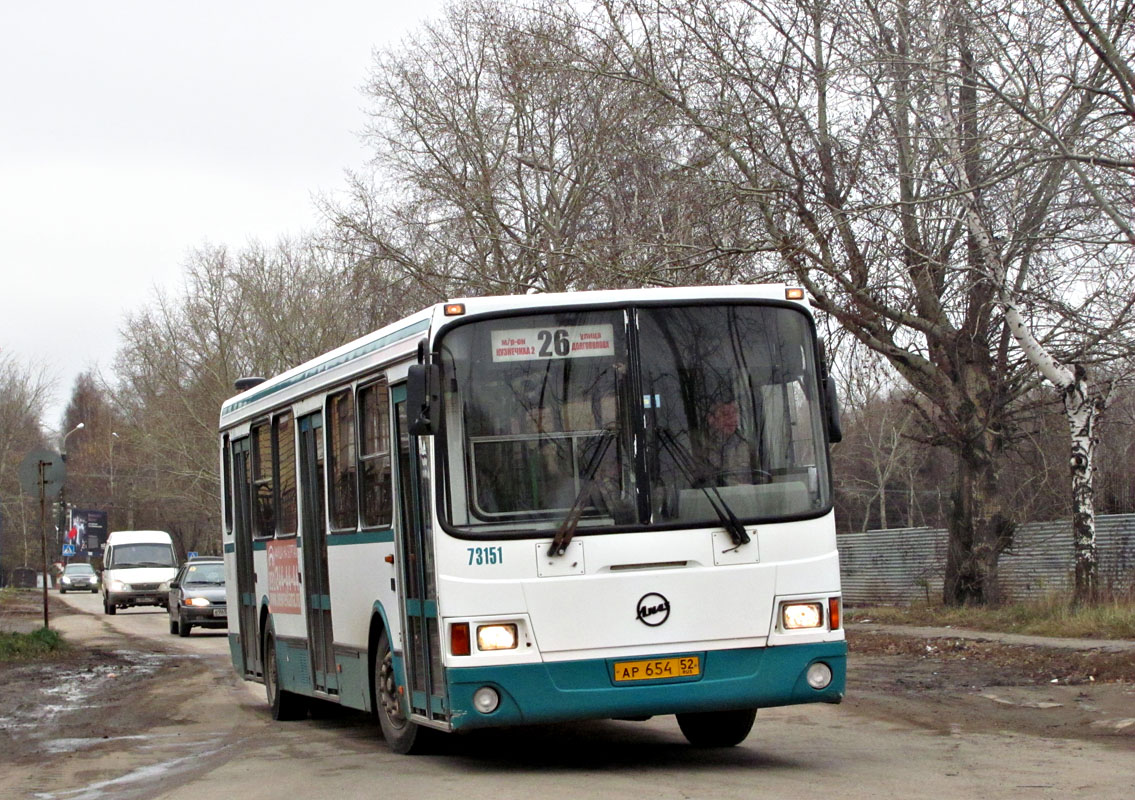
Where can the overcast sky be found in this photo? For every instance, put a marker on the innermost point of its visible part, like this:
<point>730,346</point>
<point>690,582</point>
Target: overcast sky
<point>134,132</point>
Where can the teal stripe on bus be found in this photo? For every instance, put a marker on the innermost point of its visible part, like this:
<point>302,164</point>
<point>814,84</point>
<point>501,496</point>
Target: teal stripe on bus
<point>325,366</point>
<point>360,537</point>
<point>421,608</point>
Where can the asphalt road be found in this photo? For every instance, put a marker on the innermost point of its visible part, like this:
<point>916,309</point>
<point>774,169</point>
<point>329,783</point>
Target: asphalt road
<point>209,737</point>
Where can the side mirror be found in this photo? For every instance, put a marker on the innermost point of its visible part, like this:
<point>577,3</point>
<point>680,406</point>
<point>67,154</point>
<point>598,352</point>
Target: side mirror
<point>831,400</point>
<point>423,398</point>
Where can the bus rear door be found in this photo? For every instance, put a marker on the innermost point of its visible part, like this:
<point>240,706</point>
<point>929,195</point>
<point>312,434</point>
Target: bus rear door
<point>313,527</point>
<point>242,550</point>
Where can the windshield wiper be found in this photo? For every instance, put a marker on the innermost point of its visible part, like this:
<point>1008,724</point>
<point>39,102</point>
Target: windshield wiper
<point>685,461</point>
<point>567,528</point>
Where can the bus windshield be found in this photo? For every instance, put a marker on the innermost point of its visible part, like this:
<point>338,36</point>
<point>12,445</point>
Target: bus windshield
<point>633,418</point>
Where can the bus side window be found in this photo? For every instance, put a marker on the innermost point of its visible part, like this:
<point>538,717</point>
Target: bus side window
<point>375,483</point>
<point>263,492</point>
<point>283,432</point>
<point>341,467</point>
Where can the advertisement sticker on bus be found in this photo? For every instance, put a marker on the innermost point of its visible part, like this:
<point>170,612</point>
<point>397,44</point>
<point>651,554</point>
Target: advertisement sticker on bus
<point>283,576</point>
<point>568,341</point>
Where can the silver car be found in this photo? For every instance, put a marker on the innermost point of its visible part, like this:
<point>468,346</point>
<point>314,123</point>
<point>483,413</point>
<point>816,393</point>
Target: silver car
<point>78,577</point>
<point>197,596</point>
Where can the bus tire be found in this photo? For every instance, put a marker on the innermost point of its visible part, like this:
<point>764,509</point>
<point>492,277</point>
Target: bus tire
<point>402,735</point>
<point>717,728</point>
<point>285,706</point>
<point>108,607</point>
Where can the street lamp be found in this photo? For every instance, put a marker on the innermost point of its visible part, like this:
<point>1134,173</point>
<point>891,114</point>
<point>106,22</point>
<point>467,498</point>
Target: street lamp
<point>63,443</point>
<point>63,486</point>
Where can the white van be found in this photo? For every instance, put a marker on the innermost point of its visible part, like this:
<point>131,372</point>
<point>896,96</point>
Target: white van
<point>137,565</point>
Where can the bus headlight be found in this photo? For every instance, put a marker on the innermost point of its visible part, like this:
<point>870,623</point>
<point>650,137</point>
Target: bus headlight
<point>496,637</point>
<point>118,586</point>
<point>795,616</point>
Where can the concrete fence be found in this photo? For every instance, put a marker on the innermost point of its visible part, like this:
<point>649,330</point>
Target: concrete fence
<point>904,565</point>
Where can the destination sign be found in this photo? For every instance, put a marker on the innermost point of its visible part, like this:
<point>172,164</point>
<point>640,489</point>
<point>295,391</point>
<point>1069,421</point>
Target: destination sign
<point>569,341</point>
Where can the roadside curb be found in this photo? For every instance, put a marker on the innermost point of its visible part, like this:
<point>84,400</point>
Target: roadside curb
<point>1102,645</point>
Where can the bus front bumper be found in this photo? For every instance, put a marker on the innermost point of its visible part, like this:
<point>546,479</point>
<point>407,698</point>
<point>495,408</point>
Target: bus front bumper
<point>729,679</point>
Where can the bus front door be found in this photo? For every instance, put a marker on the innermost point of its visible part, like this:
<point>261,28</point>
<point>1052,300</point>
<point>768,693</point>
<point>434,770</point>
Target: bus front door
<point>242,551</point>
<point>421,642</point>
<point>313,530</point>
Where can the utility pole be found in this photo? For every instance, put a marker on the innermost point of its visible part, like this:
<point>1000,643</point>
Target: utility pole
<point>42,474</point>
<point>41,465</point>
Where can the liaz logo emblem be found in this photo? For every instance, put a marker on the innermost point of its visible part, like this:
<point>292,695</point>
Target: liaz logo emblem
<point>653,609</point>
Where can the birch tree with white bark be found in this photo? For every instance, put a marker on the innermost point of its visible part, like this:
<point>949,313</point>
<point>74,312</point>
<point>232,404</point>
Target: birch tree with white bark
<point>1068,299</point>
<point>830,116</point>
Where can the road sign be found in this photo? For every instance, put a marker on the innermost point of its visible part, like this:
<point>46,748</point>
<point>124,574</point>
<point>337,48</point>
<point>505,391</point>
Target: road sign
<point>191,554</point>
<point>54,472</point>
<point>68,550</point>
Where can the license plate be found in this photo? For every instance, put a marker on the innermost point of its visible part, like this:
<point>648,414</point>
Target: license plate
<point>657,669</point>
<point>220,612</point>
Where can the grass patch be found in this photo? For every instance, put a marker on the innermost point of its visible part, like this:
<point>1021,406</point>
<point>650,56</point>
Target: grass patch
<point>1114,619</point>
<point>26,646</point>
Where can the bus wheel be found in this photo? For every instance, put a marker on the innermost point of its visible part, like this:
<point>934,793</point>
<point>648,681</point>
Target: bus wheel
<point>108,607</point>
<point>401,735</point>
<point>285,705</point>
<point>717,728</point>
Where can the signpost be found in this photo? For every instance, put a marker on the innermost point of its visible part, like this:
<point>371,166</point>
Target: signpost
<point>42,473</point>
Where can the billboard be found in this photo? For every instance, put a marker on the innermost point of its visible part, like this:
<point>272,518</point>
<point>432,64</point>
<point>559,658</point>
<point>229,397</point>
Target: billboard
<point>87,532</point>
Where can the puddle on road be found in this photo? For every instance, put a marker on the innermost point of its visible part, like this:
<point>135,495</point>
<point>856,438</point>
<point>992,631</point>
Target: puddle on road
<point>65,695</point>
<point>62,691</point>
<point>59,746</point>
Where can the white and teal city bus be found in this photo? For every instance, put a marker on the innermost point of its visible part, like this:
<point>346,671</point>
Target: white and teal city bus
<point>516,510</point>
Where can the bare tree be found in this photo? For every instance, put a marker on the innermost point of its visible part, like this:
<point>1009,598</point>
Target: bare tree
<point>878,459</point>
<point>1078,275</point>
<point>500,168</point>
<point>254,312</point>
<point>24,394</point>
<point>830,117</point>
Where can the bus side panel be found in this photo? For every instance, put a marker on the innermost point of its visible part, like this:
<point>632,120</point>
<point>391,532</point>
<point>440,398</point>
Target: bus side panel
<point>361,580</point>
<point>293,664</point>
<point>360,577</point>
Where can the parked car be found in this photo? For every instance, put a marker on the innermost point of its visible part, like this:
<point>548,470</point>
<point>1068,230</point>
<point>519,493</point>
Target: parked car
<point>80,577</point>
<point>197,596</point>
